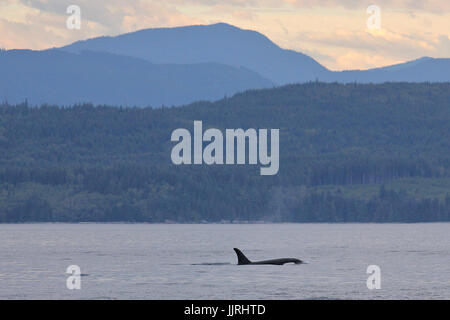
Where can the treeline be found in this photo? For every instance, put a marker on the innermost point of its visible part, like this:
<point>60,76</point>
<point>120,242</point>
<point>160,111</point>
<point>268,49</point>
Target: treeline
<point>387,206</point>
<point>101,163</point>
<point>163,206</point>
<point>119,177</point>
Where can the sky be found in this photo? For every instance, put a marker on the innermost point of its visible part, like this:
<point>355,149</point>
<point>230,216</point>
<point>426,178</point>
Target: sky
<point>336,33</point>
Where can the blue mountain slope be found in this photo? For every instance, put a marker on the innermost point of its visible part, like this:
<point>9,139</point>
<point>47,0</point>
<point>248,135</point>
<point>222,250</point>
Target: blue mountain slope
<point>421,70</point>
<point>220,43</point>
<point>58,77</point>
<point>175,66</point>
<point>230,45</point>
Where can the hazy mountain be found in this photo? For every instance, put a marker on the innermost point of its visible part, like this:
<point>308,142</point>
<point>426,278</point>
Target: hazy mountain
<point>175,66</point>
<point>421,70</point>
<point>233,46</point>
<point>220,43</point>
<point>57,77</point>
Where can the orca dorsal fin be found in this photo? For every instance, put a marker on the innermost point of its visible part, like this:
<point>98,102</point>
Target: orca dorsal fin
<point>242,259</point>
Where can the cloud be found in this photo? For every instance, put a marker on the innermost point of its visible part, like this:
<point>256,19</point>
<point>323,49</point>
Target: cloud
<point>347,60</point>
<point>434,6</point>
<point>369,49</point>
<point>42,23</point>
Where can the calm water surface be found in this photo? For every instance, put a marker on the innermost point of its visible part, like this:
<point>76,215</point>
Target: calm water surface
<point>146,261</point>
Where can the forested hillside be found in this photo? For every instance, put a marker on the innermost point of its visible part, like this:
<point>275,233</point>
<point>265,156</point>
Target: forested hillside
<point>377,153</point>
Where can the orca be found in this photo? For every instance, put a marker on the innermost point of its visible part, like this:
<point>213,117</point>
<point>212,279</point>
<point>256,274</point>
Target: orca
<point>243,260</point>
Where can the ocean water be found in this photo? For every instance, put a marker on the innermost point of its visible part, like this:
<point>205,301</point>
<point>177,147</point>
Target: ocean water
<point>188,261</point>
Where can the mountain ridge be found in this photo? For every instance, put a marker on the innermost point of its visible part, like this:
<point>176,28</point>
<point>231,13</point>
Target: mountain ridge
<point>249,48</point>
<point>177,66</point>
<point>58,77</point>
<point>222,43</point>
